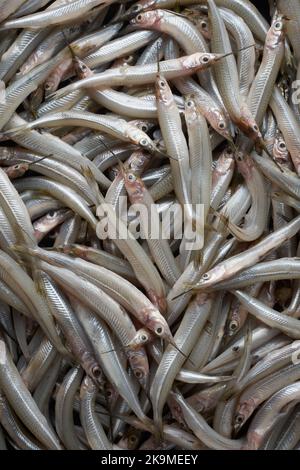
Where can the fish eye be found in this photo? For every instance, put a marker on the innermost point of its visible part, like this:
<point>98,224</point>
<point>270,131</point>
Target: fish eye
<point>135,8</point>
<point>189,103</point>
<point>221,125</point>
<point>131,177</point>
<point>282,146</point>
<point>143,142</point>
<point>139,17</point>
<point>144,338</point>
<point>132,439</point>
<point>144,127</point>
<point>255,127</point>
<point>138,373</point>
<point>203,24</point>
<point>205,59</point>
<point>47,86</point>
<point>239,419</point>
<point>162,84</point>
<point>235,348</point>
<point>51,214</point>
<point>278,25</point>
<point>159,330</point>
<point>96,371</point>
<point>233,325</point>
<point>205,277</point>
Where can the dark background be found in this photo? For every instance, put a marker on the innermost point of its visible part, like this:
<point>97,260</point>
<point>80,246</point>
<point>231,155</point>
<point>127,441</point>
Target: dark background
<point>263,7</point>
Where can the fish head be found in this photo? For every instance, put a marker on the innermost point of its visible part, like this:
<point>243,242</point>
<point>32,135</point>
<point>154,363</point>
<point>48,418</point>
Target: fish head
<point>139,364</point>
<point>249,126</point>
<point>138,161</point>
<point>163,92</point>
<point>277,32</point>
<point>138,7</point>
<point>148,19</point>
<point>133,184</point>
<point>142,337</point>
<point>199,60</point>
<point>81,69</point>
<point>220,123</point>
<point>190,110</point>
<point>211,278</point>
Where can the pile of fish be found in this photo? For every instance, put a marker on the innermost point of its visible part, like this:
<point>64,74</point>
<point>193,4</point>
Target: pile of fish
<point>118,120</point>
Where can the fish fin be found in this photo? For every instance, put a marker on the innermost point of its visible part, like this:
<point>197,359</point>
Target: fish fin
<point>172,343</point>
<point>190,288</point>
<point>40,160</point>
<point>224,220</point>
